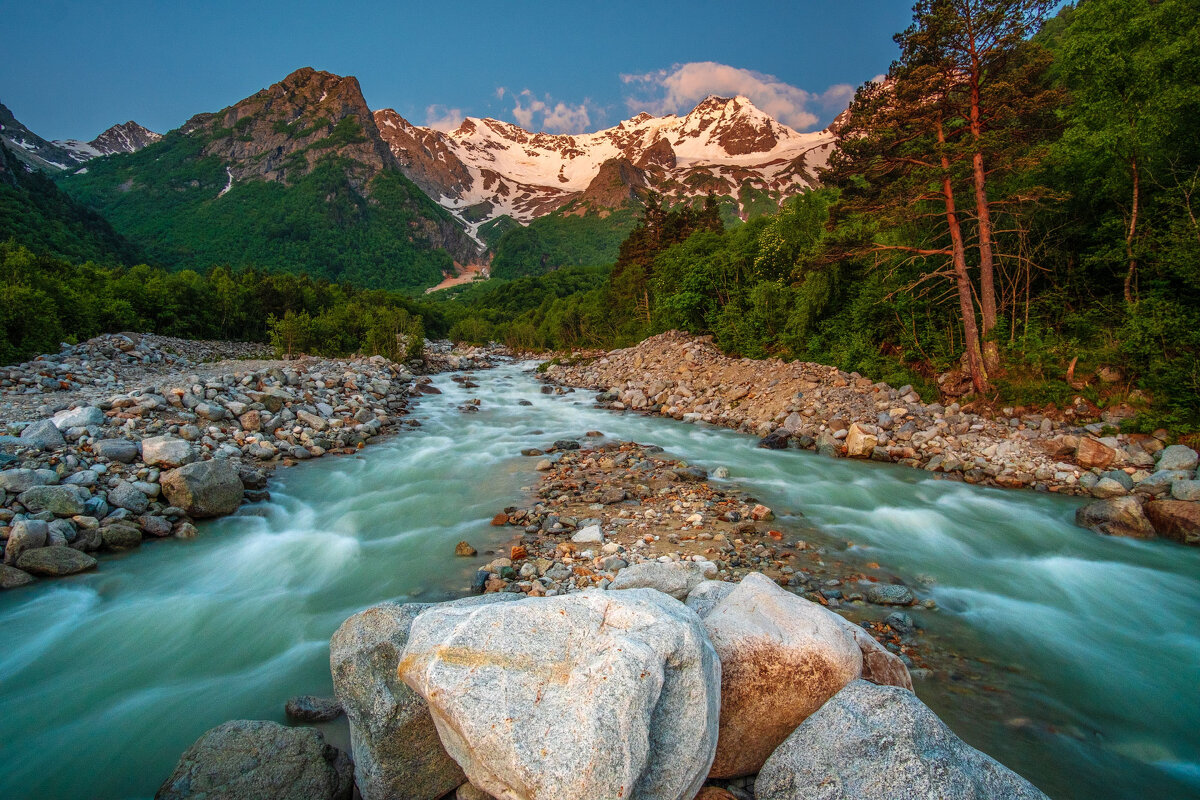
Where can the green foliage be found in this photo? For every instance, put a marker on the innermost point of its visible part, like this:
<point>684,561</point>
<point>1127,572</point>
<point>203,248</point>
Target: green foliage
<point>571,236</point>
<point>45,301</point>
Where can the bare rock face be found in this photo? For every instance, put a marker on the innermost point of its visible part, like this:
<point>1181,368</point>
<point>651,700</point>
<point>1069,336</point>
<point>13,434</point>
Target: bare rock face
<point>616,184</point>
<point>1175,519</point>
<point>782,657</point>
<point>879,743</point>
<point>574,697</point>
<point>396,748</point>
<point>244,759</point>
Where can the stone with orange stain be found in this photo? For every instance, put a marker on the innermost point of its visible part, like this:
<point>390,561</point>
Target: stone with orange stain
<point>500,519</point>
<point>517,552</point>
<point>782,657</point>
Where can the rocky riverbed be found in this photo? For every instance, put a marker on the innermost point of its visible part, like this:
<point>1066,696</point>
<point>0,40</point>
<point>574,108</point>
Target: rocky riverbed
<point>1144,486</point>
<point>129,438</point>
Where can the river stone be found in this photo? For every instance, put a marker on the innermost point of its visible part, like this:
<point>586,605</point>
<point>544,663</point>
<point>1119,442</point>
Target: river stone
<point>121,450</point>
<point>707,595</point>
<point>120,537</point>
<point>879,743</point>
<point>1091,453</point>
<point>55,561</point>
<point>782,657</point>
<point>589,535</point>
<point>246,759</point>
<point>167,451</point>
<point>1185,490</point>
<point>677,578</point>
<point>1107,487</point>
<point>1120,516</point>
<point>1175,519</point>
<point>11,577</point>
<point>20,480</point>
<point>574,697</point>
<point>204,488</point>
<point>84,417</point>
<point>396,748</point>
<point>888,594</point>
<point>311,708</point>
<point>43,435</point>
<point>126,495</point>
<point>859,443</point>
<point>879,665</point>
<point>61,501</point>
<point>25,534</point>
<point>1178,456</point>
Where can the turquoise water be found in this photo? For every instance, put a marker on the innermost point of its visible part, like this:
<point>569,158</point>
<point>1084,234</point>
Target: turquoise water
<point>106,678</point>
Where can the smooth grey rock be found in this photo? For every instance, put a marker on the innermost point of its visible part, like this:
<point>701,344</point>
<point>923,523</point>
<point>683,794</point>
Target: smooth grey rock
<point>677,578</point>
<point>85,477</point>
<point>11,577</point>
<point>167,451</point>
<point>61,501</point>
<point>125,495</point>
<point>20,480</point>
<point>1185,490</point>
<point>573,697</point>
<point>25,534</point>
<point>782,657</point>
<point>44,435</point>
<point>880,743</point>
<point>204,489</point>
<point>121,450</point>
<point>1178,457</point>
<point>55,561</point>
<point>84,417</point>
<point>246,759</point>
<point>396,748</point>
<point>588,535</point>
<point>120,537</point>
<point>1107,487</point>
<point>1119,516</point>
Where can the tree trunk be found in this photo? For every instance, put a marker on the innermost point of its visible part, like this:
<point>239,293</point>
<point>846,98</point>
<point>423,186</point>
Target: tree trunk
<point>987,279</point>
<point>1133,221</point>
<point>962,278</point>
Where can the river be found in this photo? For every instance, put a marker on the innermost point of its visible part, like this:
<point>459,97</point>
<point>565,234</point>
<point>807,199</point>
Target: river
<point>1081,665</point>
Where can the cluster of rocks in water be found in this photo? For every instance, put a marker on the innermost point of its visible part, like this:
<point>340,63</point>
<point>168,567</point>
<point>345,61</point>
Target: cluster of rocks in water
<point>812,406</point>
<point>87,472</point>
<point>715,690</point>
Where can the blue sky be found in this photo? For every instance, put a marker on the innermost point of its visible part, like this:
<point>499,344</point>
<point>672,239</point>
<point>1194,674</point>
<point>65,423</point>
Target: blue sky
<point>71,69</point>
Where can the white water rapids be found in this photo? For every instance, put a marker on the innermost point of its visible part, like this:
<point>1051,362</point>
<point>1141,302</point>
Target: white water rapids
<point>1089,683</point>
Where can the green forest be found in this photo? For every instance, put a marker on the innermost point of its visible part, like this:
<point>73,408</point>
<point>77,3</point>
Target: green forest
<point>1010,216</point>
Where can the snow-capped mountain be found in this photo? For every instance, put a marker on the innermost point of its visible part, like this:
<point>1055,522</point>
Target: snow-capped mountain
<point>59,155</point>
<point>487,168</point>
<point>128,137</point>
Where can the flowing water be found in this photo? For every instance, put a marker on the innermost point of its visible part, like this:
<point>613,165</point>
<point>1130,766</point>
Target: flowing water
<point>1084,667</point>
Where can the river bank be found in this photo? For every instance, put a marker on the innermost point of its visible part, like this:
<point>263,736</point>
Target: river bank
<point>127,438</point>
<point>812,406</point>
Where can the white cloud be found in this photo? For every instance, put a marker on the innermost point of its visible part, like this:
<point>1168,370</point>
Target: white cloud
<point>680,88</point>
<point>544,114</point>
<point>442,118</point>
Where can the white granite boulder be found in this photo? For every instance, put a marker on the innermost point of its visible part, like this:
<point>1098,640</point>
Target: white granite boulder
<point>574,697</point>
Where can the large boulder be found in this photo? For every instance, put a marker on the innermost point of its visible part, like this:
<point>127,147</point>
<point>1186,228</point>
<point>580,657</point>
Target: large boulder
<point>879,743</point>
<point>782,657</point>
<point>26,534</point>
<point>55,561</point>
<point>251,759</point>
<point>396,748</point>
<point>1119,516</point>
<point>574,697</point>
<point>1092,453</point>
<point>83,417</point>
<point>61,501</point>
<point>204,488</point>
<point>167,451</point>
<point>1175,519</point>
<point>676,578</point>
<point>43,435</point>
